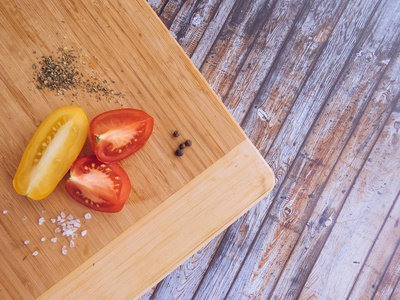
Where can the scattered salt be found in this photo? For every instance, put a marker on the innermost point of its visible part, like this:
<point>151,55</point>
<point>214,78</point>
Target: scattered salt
<point>88,216</point>
<point>41,221</point>
<point>53,220</point>
<point>83,233</point>
<point>43,211</point>
<point>35,253</point>
<point>70,218</point>
<point>57,230</point>
<point>43,239</point>
<point>5,211</point>
<point>64,250</point>
<point>24,218</point>
<point>71,244</point>
<point>26,242</point>
<point>74,236</point>
<point>62,214</point>
<point>54,240</point>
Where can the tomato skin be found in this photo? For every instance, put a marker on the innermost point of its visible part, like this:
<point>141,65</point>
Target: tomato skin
<point>117,134</point>
<point>100,186</point>
<point>51,151</point>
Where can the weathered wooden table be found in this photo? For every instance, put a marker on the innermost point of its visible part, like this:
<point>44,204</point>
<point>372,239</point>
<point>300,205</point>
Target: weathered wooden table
<point>316,86</point>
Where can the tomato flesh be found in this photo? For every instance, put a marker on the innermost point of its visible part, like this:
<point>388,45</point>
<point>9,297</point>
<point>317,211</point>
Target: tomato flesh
<point>101,186</point>
<point>117,134</point>
<point>51,151</point>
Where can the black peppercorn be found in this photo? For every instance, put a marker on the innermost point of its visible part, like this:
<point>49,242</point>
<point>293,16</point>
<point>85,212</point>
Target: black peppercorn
<point>179,152</point>
<point>182,146</point>
<point>188,143</point>
<point>176,133</point>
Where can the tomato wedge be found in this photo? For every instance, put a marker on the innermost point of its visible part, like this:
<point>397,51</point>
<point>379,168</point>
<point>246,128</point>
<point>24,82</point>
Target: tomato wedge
<point>100,186</point>
<point>51,151</point>
<point>116,134</point>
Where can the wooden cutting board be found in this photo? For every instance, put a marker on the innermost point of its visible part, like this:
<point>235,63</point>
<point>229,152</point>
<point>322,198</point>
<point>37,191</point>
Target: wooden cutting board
<point>177,204</point>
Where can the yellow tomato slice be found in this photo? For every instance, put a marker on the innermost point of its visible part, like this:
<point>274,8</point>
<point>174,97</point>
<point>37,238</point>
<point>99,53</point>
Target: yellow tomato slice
<point>50,153</point>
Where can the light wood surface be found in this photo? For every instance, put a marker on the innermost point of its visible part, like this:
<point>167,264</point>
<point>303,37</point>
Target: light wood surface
<point>315,85</point>
<point>176,205</point>
<point>166,236</point>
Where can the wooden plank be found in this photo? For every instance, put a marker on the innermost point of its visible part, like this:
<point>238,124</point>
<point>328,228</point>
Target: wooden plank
<point>212,31</point>
<point>170,11</point>
<point>281,88</point>
<point>336,189</point>
<point>263,54</point>
<point>390,278</point>
<point>157,5</point>
<point>183,282</point>
<point>232,45</point>
<point>373,270</point>
<point>225,267</point>
<point>191,22</point>
<point>360,219</point>
<point>293,204</point>
<point>121,271</point>
<point>396,292</point>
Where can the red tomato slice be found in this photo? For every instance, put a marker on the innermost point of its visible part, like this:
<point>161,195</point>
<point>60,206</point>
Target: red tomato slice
<point>100,186</point>
<point>116,134</point>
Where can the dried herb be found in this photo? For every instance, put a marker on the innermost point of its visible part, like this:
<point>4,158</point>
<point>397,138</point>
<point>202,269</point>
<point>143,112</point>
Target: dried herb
<point>57,74</point>
<point>62,74</point>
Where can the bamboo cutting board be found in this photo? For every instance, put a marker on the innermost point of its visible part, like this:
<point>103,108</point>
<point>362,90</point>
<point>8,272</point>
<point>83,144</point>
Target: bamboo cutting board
<point>177,204</point>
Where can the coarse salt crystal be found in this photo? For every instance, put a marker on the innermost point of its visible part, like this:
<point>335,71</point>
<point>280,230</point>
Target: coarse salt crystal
<point>62,214</point>
<point>43,239</point>
<point>88,216</point>
<point>53,220</point>
<point>58,218</point>
<point>64,250</point>
<point>57,230</point>
<point>5,211</point>
<point>24,218</point>
<point>41,221</point>
<point>35,253</point>
<point>43,211</point>
<point>74,236</point>
<point>61,221</point>
<point>26,242</point>
<point>71,244</point>
<point>54,240</point>
<point>83,233</point>
<point>70,217</point>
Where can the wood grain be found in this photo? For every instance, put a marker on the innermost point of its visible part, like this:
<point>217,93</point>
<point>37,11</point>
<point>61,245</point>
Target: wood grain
<point>212,31</point>
<point>308,174</point>
<point>390,278</point>
<point>120,270</point>
<point>351,160</point>
<point>232,40</point>
<point>378,260</point>
<point>365,218</point>
<point>155,75</point>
